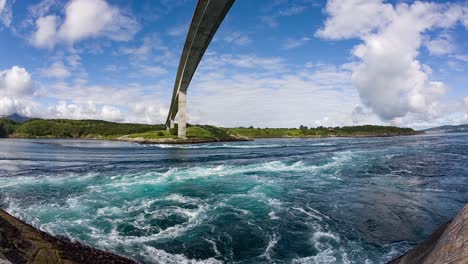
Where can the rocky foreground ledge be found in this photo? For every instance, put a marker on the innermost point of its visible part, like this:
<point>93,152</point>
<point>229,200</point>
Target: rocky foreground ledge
<point>448,244</point>
<point>22,243</point>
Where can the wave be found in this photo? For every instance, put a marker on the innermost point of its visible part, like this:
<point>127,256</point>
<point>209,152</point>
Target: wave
<point>273,240</point>
<point>174,174</point>
<point>161,256</point>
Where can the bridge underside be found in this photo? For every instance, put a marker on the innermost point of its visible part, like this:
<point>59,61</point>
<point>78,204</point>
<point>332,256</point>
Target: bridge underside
<point>205,22</point>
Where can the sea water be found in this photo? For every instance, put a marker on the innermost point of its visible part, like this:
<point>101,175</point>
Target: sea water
<point>333,200</point>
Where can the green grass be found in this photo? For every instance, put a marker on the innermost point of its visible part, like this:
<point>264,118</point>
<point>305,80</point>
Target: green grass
<point>64,128</point>
<point>366,130</point>
<point>158,134</point>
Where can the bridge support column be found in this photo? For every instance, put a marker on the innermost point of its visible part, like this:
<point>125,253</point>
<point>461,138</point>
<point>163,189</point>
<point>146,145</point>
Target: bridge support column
<point>171,124</point>
<point>182,126</point>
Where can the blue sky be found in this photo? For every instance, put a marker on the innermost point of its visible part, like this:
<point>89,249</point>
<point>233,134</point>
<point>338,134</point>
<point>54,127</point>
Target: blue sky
<point>272,63</point>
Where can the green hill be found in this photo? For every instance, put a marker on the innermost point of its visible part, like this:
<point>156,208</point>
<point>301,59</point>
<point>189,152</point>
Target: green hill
<point>303,131</point>
<point>65,128</point>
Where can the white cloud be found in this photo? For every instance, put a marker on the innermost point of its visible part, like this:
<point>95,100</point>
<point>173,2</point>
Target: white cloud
<point>16,82</point>
<point>143,57</point>
<point>290,10</point>
<point>248,61</point>
<point>237,38</point>
<point>91,18</point>
<point>84,111</point>
<point>465,16</point>
<point>6,13</point>
<point>442,45</point>
<point>294,43</point>
<point>45,36</point>
<point>462,57</point>
<point>149,44</point>
<point>178,31</point>
<point>2,5</point>
<point>354,18</point>
<point>388,76</point>
<point>233,96</point>
<point>56,70</point>
<point>127,104</point>
<point>11,105</point>
<point>16,88</point>
<point>42,8</point>
<point>84,19</point>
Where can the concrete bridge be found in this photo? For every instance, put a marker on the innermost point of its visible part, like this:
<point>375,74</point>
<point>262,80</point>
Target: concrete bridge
<point>205,22</point>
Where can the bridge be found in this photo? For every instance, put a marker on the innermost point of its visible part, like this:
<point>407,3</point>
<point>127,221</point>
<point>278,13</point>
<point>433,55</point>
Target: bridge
<point>205,22</point>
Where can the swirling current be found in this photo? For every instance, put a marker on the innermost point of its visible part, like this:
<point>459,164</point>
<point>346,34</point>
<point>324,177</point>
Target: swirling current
<point>333,200</point>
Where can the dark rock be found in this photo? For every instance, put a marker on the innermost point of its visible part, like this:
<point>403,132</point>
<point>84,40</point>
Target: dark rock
<point>448,244</point>
<point>22,243</point>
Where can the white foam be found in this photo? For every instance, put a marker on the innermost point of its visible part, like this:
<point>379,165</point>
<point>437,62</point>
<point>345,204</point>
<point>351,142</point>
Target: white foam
<point>273,215</point>
<point>161,256</point>
<point>271,244</point>
<point>213,246</point>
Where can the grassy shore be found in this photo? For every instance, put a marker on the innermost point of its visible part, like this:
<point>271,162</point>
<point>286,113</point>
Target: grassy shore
<point>97,129</point>
<point>305,132</point>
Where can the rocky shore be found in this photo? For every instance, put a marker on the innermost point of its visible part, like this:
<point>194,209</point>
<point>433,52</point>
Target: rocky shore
<point>22,243</point>
<point>142,140</point>
<point>448,244</point>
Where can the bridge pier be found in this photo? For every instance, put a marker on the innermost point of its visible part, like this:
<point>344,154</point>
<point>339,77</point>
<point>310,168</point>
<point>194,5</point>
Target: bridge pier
<point>171,124</point>
<point>182,125</point>
<point>205,22</point>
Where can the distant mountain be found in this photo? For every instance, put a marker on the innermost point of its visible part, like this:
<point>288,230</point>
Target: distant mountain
<point>16,117</point>
<point>448,129</point>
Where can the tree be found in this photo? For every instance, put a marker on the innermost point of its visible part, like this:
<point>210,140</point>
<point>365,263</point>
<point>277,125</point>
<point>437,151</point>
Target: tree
<point>3,131</point>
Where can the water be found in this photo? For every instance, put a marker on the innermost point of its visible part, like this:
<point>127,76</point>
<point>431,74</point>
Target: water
<point>269,201</point>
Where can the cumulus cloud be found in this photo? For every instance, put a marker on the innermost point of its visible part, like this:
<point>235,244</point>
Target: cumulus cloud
<point>388,76</point>
<point>45,36</point>
<point>10,105</point>
<point>16,88</point>
<point>15,82</point>
<point>85,111</point>
<point>354,18</point>
<point>84,19</point>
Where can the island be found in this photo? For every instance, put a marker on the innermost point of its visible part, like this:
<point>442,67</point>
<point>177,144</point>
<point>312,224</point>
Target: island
<point>143,133</point>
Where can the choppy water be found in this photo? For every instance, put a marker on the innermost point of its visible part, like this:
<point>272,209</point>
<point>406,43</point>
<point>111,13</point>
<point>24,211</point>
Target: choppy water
<point>280,200</point>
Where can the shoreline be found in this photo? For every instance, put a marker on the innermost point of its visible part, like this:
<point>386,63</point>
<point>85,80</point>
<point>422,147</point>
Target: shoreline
<point>176,141</point>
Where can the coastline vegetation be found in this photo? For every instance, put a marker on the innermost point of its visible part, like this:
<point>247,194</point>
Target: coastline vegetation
<point>304,131</point>
<point>97,129</point>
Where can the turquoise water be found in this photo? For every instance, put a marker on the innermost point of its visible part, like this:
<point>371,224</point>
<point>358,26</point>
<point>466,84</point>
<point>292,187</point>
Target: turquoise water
<point>269,201</point>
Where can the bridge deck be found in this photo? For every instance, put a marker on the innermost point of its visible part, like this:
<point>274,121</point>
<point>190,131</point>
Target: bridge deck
<point>206,20</point>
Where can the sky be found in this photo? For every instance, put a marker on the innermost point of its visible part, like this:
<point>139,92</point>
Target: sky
<point>272,63</point>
